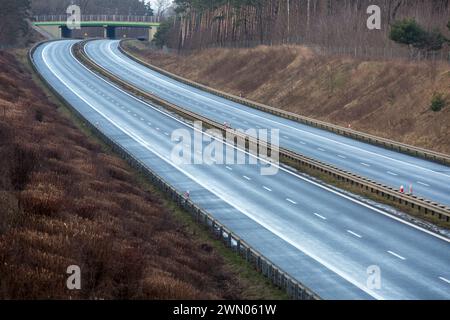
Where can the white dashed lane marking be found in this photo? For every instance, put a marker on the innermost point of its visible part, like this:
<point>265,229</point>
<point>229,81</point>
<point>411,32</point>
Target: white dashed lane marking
<point>291,201</point>
<point>268,189</point>
<point>354,233</point>
<point>445,280</point>
<point>320,216</point>
<point>396,255</point>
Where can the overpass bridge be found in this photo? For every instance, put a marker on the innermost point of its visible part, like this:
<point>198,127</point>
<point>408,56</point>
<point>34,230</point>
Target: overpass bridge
<point>56,25</point>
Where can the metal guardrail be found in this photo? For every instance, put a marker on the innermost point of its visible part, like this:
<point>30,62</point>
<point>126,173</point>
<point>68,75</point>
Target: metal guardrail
<point>406,200</point>
<point>365,137</point>
<point>276,275</point>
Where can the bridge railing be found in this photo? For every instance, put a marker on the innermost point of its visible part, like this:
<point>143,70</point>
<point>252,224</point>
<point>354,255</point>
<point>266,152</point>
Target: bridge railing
<point>99,17</point>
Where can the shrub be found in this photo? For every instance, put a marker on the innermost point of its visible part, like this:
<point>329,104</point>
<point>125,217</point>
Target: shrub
<point>39,115</point>
<point>437,102</point>
<point>409,32</point>
<point>161,36</point>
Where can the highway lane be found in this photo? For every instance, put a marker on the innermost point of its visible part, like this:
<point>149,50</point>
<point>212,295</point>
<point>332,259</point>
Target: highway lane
<point>323,238</point>
<point>428,179</point>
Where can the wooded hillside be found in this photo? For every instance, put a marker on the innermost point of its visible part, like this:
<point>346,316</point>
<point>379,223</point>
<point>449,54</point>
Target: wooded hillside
<point>329,23</point>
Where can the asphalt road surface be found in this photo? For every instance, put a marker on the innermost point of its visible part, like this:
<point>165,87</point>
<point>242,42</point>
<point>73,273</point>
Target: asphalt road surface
<point>321,237</point>
<point>428,179</point>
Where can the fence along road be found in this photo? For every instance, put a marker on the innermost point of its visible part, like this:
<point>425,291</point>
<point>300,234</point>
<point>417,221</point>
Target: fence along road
<point>321,238</point>
<point>429,180</point>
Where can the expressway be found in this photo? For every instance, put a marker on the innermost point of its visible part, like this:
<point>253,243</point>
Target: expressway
<point>428,179</point>
<point>324,239</point>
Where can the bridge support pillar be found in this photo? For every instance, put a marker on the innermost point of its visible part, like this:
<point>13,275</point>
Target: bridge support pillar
<point>151,32</point>
<point>109,32</point>
<point>65,32</point>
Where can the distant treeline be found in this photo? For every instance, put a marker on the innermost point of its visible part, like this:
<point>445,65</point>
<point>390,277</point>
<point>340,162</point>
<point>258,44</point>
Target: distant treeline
<point>13,24</point>
<point>109,7</point>
<point>328,23</point>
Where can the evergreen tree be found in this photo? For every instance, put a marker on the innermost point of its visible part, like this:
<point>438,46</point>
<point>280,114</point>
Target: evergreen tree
<point>409,32</point>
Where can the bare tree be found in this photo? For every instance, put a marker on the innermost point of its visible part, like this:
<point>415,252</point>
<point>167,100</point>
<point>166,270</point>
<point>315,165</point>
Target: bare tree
<point>161,7</point>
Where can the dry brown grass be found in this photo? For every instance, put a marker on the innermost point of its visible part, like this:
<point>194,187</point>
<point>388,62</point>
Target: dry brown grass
<point>64,201</point>
<point>390,99</point>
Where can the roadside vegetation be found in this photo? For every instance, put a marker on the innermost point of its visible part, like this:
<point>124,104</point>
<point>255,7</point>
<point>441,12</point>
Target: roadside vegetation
<point>438,102</point>
<point>409,32</point>
<point>65,199</point>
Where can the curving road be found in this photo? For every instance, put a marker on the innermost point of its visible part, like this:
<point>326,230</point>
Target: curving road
<point>428,179</point>
<point>323,238</point>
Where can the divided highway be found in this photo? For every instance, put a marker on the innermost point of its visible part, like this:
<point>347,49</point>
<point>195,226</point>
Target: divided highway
<point>428,179</point>
<point>324,239</point>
